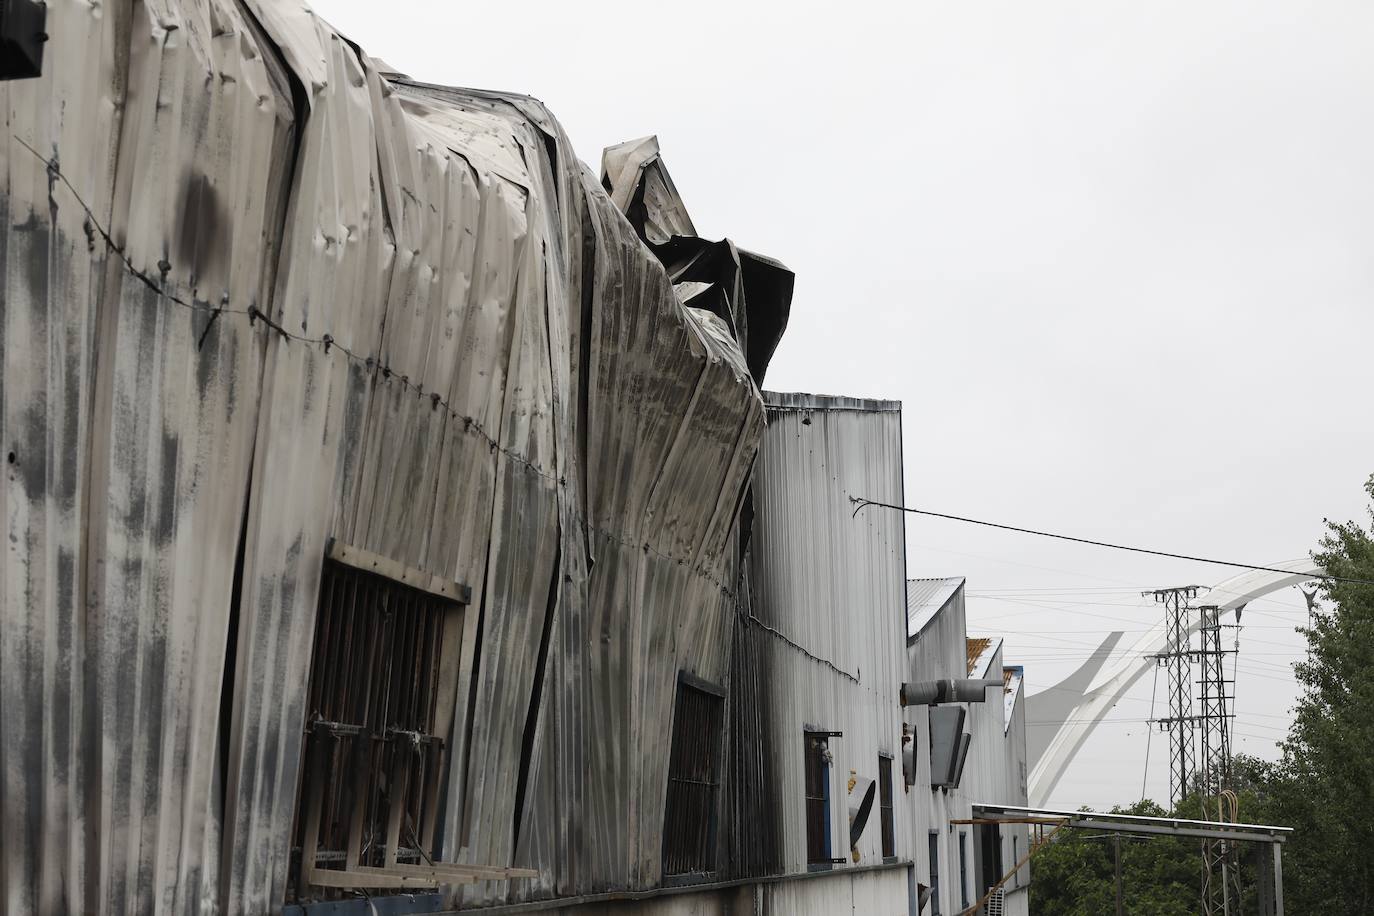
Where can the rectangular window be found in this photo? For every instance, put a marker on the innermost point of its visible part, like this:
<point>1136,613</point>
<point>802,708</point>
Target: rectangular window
<point>934,853</point>
<point>372,762</point>
<point>817,778</point>
<point>885,806</point>
<point>963,867</point>
<point>987,863</point>
<point>689,817</point>
<point>1015,858</point>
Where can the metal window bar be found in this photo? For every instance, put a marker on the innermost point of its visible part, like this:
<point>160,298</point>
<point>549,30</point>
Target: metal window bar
<point>369,786</point>
<point>885,806</point>
<point>689,818</point>
<point>817,789</point>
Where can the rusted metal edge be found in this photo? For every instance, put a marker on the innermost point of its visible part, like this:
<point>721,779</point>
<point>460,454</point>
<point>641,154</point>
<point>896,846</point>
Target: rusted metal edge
<point>669,890</point>
<point>367,561</point>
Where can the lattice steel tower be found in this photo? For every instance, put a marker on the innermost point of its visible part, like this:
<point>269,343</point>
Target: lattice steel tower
<point>1220,871</point>
<point>1177,658</point>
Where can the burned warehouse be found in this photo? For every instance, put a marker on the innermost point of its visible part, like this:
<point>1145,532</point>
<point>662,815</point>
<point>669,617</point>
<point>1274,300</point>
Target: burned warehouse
<point>397,520</point>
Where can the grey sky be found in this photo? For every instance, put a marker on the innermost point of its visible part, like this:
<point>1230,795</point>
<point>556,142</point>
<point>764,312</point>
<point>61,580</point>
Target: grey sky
<point>1115,259</point>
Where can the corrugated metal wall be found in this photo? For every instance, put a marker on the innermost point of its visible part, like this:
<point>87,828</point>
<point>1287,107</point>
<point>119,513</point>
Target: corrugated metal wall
<point>331,304</point>
<point>824,629</point>
<point>129,418</point>
<point>992,769</point>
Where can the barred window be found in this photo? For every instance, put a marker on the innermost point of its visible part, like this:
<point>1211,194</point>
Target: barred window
<point>689,816</point>
<point>367,807</point>
<point>885,806</point>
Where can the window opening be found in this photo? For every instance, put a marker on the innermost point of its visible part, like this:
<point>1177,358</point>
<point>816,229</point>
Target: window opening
<point>963,867</point>
<point>934,854</point>
<point>817,787</point>
<point>373,765</point>
<point>372,758</point>
<point>885,806</point>
<point>689,817</point>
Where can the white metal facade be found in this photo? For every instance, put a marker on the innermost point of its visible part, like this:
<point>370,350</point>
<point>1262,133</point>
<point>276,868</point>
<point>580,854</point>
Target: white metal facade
<point>828,593</point>
<point>994,767</point>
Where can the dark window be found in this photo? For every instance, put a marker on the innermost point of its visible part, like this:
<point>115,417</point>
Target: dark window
<point>818,798</point>
<point>934,853</point>
<point>689,816</point>
<point>885,807</point>
<point>372,761</point>
<point>963,867</point>
<point>1015,858</point>
<point>989,861</point>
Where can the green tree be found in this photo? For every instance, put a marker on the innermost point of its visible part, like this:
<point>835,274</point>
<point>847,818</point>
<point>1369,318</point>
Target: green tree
<point>1075,874</point>
<point>1324,785</point>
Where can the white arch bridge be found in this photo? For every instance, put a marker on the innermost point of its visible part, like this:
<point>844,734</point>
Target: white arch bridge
<point>1080,701</point>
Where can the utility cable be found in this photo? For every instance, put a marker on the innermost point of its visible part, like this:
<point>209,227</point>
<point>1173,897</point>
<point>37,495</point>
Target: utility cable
<point>1149,733</point>
<point>862,503</point>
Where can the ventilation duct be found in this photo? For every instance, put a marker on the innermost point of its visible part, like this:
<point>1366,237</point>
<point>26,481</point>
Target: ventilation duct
<point>948,690</point>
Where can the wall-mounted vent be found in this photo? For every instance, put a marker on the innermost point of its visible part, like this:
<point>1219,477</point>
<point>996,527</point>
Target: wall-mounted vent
<point>22,36</point>
<point>946,733</point>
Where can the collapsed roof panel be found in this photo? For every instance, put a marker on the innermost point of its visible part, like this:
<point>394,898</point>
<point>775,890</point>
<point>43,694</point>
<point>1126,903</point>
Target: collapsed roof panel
<point>750,292</point>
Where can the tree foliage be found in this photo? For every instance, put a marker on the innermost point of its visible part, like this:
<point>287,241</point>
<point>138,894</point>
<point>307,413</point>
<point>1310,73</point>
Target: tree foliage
<point>1323,786</point>
<point>1075,875</point>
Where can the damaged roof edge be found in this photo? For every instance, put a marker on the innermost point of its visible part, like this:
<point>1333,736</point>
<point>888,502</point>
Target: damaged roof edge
<point>797,400</point>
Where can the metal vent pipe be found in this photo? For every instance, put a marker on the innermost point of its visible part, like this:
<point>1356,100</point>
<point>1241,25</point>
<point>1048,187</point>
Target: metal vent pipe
<point>948,690</point>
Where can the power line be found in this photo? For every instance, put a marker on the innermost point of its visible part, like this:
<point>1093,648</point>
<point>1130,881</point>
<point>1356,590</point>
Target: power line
<point>863,503</point>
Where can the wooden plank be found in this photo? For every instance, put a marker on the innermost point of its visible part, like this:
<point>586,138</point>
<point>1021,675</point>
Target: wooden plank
<point>310,842</point>
<point>367,561</point>
<point>486,872</point>
<point>371,877</point>
<point>362,766</point>
<point>399,783</point>
<point>441,871</point>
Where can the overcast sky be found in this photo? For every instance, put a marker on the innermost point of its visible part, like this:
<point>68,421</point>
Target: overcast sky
<point>1115,259</point>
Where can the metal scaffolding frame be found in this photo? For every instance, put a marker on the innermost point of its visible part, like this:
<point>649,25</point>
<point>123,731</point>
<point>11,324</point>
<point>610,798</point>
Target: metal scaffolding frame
<point>1270,891</point>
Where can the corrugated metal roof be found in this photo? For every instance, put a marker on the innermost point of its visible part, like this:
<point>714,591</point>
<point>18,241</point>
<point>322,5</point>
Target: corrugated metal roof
<point>976,646</point>
<point>980,650</point>
<point>796,400</point>
<point>925,598</point>
<point>1013,677</point>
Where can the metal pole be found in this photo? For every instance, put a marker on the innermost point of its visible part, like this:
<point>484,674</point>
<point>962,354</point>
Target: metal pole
<point>1278,878</point>
<point>1120,904</point>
